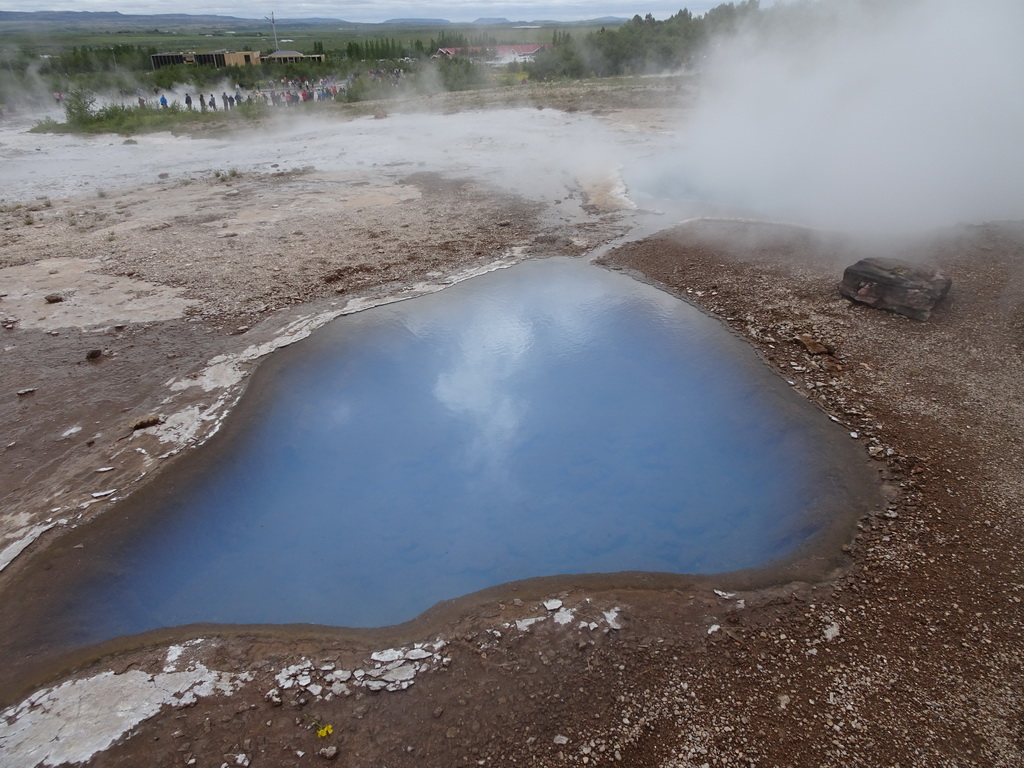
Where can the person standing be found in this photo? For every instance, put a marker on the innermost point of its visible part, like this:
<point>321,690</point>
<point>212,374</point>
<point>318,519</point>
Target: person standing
<point>188,102</point>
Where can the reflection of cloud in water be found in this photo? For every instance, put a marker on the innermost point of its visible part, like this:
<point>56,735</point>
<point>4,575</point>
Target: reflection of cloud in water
<point>490,351</point>
<point>494,349</point>
<point>336,417</point>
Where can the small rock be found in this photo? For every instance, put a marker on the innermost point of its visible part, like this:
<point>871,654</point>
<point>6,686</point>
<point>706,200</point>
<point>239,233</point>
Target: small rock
<point>811,344</point>
<point>53,298</point>
<point>563,616</point>
<point>329,753</point>
<point>552,605</point>
<point>23,392</point>
<point>149,420</point>
<point>831,365</point>
<point>94,354</point>
<point>273,696</point>
<point>400,673</point>
<point>561,740</point>
<point>231,193</point>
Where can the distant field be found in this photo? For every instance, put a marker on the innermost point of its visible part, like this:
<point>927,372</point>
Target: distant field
<point>258,35</point>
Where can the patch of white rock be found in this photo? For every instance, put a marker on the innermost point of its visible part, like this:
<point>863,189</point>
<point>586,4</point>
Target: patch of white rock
<point>393,669</point>
<point>71,722</point>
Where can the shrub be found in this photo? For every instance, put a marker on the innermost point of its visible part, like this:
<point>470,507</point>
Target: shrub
<point>78,107</point>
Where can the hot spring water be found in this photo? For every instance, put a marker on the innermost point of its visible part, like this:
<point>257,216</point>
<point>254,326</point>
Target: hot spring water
<point>551,418</point>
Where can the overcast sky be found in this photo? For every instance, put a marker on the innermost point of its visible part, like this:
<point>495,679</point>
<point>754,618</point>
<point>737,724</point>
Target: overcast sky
<point>381,10</point>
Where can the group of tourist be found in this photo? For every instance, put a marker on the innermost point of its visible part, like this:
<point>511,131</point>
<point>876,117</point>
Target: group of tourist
<point>228,101</point>
<point>284,92</point>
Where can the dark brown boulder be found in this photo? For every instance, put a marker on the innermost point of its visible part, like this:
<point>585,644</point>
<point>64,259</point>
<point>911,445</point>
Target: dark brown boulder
<point>895,285</point>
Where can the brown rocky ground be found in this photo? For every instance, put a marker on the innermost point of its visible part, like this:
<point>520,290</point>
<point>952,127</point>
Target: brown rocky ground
<point>909,655</point>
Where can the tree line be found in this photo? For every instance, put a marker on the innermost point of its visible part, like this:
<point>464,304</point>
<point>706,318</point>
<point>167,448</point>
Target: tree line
<point>642,45</point>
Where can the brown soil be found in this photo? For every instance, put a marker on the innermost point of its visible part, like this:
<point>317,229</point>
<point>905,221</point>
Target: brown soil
<point>909,655</point>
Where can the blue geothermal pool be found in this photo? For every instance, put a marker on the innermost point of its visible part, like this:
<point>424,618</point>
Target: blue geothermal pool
<point>551,418</point>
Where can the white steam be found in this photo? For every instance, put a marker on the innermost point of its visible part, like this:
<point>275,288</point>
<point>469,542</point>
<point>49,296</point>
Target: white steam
<point>870,116</point>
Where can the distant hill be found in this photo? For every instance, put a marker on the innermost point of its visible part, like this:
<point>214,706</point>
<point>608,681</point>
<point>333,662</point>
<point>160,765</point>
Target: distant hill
<point>420,22</point>
<point>502,21</point>
<point>116,18</point>
<point>11,21</point>
<point>91,16</point>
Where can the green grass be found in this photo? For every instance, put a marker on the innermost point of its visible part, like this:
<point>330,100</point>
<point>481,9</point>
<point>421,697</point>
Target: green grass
<point>131,120</point>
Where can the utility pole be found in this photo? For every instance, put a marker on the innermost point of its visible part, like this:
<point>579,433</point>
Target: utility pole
<point>273,24</point>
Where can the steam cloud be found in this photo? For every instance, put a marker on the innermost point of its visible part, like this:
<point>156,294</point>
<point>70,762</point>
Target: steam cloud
<point>872,117</point>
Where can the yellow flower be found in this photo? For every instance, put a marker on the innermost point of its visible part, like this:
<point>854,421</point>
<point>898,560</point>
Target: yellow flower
<point>325,731</point>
